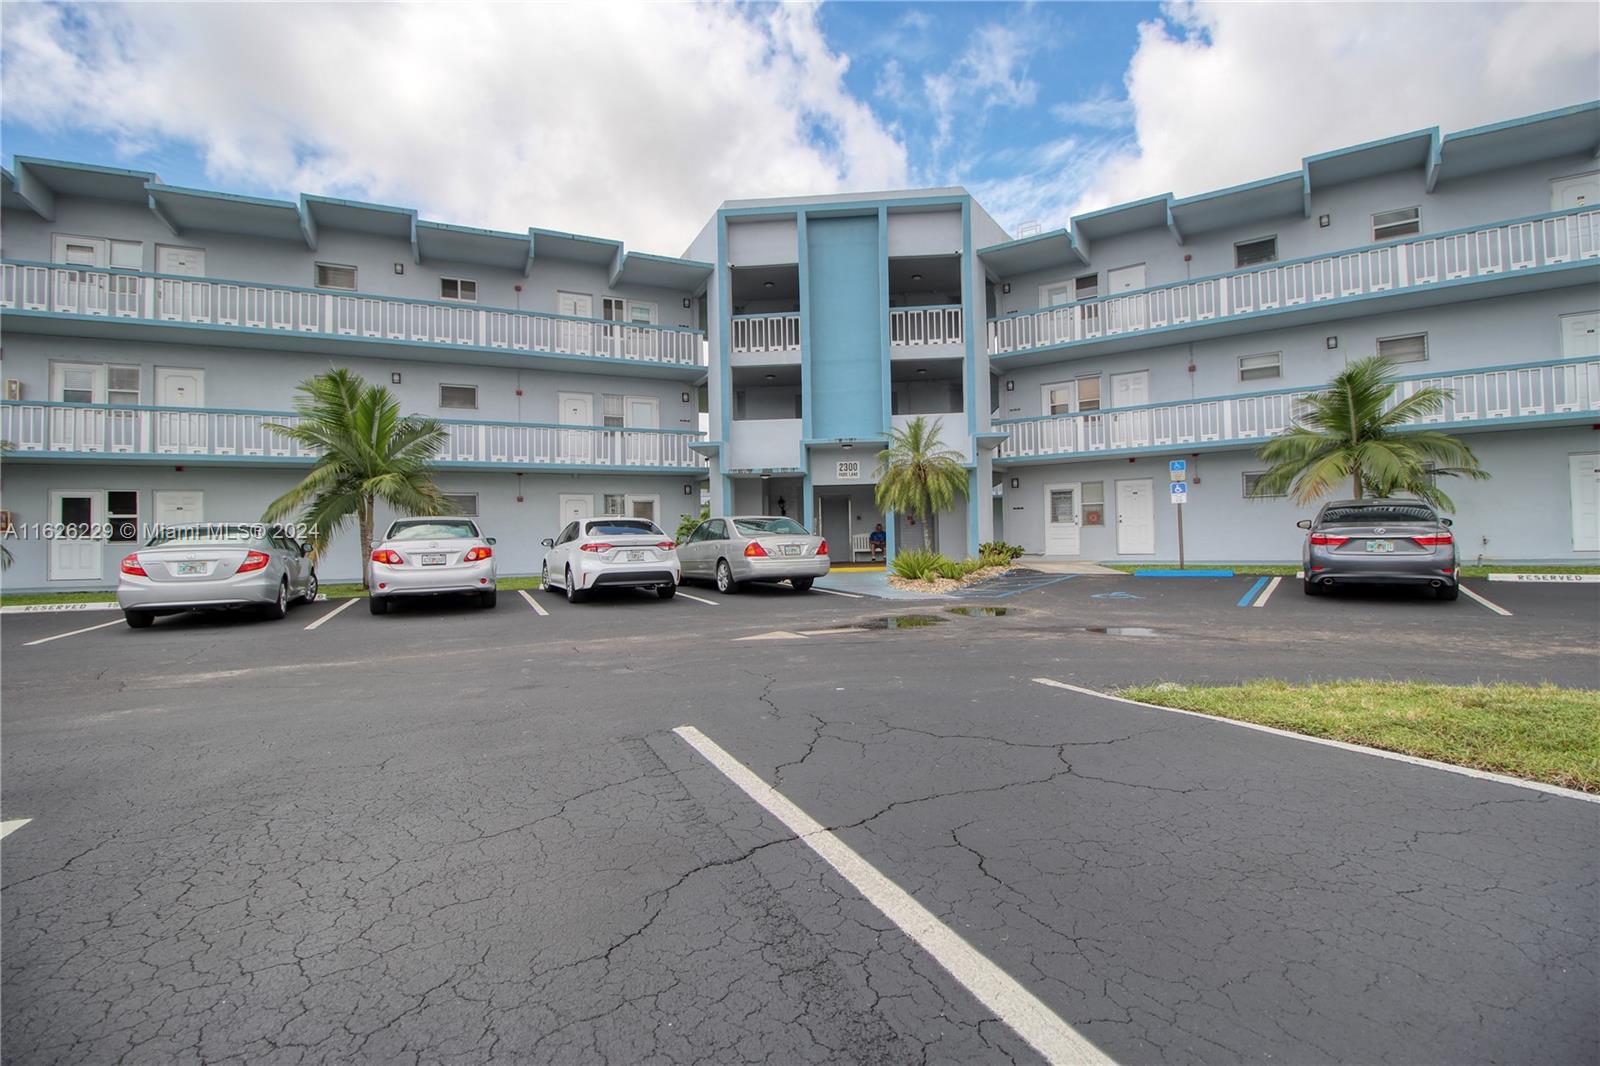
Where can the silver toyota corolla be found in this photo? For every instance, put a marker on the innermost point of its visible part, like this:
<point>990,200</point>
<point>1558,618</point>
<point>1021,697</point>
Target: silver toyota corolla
<point>207,567</point>
<point>1380,542</point>
<point>430,556</point>
<point>731,549</point>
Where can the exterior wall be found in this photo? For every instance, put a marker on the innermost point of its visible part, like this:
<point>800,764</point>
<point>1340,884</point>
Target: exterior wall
<point>843,316</point>
<point>1530,475</point>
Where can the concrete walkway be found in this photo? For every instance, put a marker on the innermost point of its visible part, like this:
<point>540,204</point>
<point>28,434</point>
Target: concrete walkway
<point>1064,566</point>
<point>868,583</point>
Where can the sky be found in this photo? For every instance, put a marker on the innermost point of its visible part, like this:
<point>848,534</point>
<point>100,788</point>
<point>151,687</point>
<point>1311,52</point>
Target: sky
<point>634,121</point>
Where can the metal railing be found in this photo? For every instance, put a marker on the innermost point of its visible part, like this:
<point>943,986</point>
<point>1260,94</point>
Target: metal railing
<point>1509,392</point>
<point>917,327</point>
<point>113,293</point>
<point>96,429</point>
<point>1503,248</point>
<point>779,332</point>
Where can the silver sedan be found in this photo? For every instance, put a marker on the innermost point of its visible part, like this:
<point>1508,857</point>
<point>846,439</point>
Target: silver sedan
<point>429,557</point>
<point>731,549</point>
<point>209,567</point>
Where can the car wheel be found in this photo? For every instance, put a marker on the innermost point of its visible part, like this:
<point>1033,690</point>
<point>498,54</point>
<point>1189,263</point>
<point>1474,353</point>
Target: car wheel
<point>311,589</point>
<point>666,592</point>
<point>1448,592</point>
<point>1312,588</point>
<point>574,595</point>
<point>138,619</point>
<point>544,576</point>
<point>801,584</point>
<point>725,582</point>
<point>280,606</point>
<point>378,604</point>
<point>486,599</point>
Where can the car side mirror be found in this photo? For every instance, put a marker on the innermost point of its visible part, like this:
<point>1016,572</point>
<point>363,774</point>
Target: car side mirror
<point>548,542</point>
<point>1304,523</point>
<point>305,549</point>
<point>1446,522</point>
<point>488,540</point>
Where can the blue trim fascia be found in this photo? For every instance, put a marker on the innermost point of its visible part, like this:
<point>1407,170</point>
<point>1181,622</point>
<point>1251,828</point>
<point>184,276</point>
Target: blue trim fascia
<point>1020,241</point>
<point>809,507</point>
<point>863,206</point>
<point>1435,161</point>
<point>1525,120</point>
<point>184,459</point>
<point>834,442</point>
<point>1247,186</point>
<point>969,314</point>
<point>156,187</point>
<point>803,261</point>
<point>1270,312</point>
<point>885,351</point>
<point>20,161</point>
<point>972,512</point>
<point>724,341</point>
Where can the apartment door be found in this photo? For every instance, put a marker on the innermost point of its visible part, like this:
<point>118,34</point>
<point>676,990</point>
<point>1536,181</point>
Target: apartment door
<point>1580,335</point>
<point>1063,519</point>
<point>577,337</point>
<point>1131,429</point>
<point>179,508</point>
<point>1585,470</point>
<point>1129,311</point>
<point>1577,190</point>
<point>76,554</point>
<point>180,430</point>
<point>1136,520</point>
<point>642,412</point>
<point>1125,279</point>
<point>574,507</point>
<point>186,262</point>
<point>77,429</point>
<point>576,409</point>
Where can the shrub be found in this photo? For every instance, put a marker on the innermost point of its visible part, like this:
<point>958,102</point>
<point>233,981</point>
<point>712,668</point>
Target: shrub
<point>995,559</point>
<point>687,523</point>
<point>951,569</point>
<point>1000,548</point>
<point>918,564</point>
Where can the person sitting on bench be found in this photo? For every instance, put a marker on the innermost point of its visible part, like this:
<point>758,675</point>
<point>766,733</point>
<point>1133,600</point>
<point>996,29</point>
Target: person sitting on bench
<point>879,541</point>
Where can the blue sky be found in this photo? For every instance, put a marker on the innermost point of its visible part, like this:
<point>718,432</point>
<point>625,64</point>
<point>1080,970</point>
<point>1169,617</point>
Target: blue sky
<point>635,121</point>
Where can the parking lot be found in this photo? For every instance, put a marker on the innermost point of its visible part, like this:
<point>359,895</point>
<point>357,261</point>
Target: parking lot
<point>484,835</point>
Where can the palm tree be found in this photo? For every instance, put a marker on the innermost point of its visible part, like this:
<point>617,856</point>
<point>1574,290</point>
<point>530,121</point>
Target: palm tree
<point>1344,432</point>
<point>918,475</point>
<point>368,452</point>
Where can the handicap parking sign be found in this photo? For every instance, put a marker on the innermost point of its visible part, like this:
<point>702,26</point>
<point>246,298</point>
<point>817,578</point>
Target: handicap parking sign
<point>1180,491</point>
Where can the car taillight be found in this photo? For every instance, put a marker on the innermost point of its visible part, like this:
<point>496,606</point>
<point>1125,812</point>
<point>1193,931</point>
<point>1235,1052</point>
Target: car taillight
<point>666,545</point>
<point>131,565</point>
<point>595,546</point>
<point>474,554</point>
<point>822,549</point>
<point>754,550</point>
<point>388,556</point>
<point>1328,539</point>
<point>1435,538</point>
<point>253,561</point>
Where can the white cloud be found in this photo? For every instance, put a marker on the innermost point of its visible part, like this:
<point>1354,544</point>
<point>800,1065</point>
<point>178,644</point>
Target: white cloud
<point>1104,110</point>
<point>1226,93</point>
<point>990,73</point>
<point>630,121</point>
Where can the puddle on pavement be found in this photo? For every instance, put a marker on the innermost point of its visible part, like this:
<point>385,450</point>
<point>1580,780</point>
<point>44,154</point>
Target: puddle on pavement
<point>976,612</point>
<point>902,621</point>
<point>1122,631</point>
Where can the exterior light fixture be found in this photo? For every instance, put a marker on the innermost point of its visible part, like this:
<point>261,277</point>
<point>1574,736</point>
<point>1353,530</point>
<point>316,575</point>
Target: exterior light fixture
<point>772,377</point>
<point>687,303</point>
<point>916,277</point>
<point>1324,221</point>
<point>768,284</point>
<point>1332,343</point>
<point>1016,483</point>
<point>688,490</point>
<point>1006,288</point>
<point>394,378</point>
<point>922,370</point>
<point>1011,386</point>
<point>399,268</point>
<point>686,397</point>
<point>847,445</point>
<point>766,477</point>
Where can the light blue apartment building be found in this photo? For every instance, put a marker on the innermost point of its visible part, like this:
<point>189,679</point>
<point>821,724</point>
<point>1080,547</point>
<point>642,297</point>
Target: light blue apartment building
<point>152,332</point>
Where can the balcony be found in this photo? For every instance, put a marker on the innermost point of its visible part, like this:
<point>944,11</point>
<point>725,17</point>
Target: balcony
<point>1503,253</point>
<point>771,338</point>
<point>1496,396</point>
<point>44,431</point>
<point>764,444</point>
<point>296,317</point>
<point>926,331</point>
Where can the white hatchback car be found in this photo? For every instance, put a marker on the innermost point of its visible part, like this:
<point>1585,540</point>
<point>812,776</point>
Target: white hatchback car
<point>617,552</point>
<point>430,556</point>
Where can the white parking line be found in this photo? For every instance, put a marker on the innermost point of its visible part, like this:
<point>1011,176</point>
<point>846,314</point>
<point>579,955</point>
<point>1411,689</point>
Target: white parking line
<point>835,592</point>
<point>345,606</point>
<point>75,632</point>
<point>7,828</point>
<point>1020,1009</point>
<point>1414,760</point>
<point>537,609</point>
<point>1495,607</point>
<point>699,599</point>
<point>1266,593</point>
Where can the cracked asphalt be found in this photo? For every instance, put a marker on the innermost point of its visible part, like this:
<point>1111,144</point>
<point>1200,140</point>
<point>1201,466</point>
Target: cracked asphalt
<point>455,836</point>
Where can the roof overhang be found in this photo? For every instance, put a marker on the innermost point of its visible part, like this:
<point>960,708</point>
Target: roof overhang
<point>318,213</point>
<point>1149,213</point>
<point>1241,205</point>
<point>198,209</point>
<point>1038,252</point>
<point>1408,151</point>
<point>661,272</point>
<point>483,247</point>
<point>1569,131</point>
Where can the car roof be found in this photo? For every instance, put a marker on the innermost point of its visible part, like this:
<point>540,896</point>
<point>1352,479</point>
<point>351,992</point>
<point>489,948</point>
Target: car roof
<point>1371,501</point>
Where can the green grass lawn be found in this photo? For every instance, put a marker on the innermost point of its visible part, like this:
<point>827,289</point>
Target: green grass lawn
<point>333,592</point>
<point>1289,570</point>
<point>1539,732</point>
<point>352,589</point>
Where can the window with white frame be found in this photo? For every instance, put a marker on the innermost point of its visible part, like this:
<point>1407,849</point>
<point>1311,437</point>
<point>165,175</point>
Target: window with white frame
<point>122,516</point>
<point>1070,397</point>
<point>1260,367</point>
<point>614,503</point>
<point>1252,479</point>
<point>637,312</point>
<point>1260,250</point>
<point>1088,393</point>
<point>97,251</point>
<point>611,411</point>
<point>122,384</point>
<point>1412,348</point>
<point>464,504</point>
<point>1404,222</point>
<point>127,254</point>
<point>335,276</point>
<point>464,290</point>
<point>461,397</point>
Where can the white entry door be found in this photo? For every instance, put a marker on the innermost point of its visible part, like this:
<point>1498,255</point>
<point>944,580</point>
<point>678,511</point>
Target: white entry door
<point>188,262</point>
<point>1580,335</point>
<point>576,409</point>
<point>1577,190</point>
<point>576,337</point>
<point>1130,430</point>
<point>1125,279</point>
<point>77,429</point>
<point>1136,520</point>
<point>574,507</point>
<point>1063,519</point>
<point>75,554</point>
<point>1586,502</point>
<point>174,508</point>
<point>180,431</point>
<point>643,412</point>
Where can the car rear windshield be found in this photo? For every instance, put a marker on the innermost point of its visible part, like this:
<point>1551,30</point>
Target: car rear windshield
<point>218,534</point>
<point>623,527</point>
<point>431,530</point>
<point>1377,514</point>
<point>757,526</point>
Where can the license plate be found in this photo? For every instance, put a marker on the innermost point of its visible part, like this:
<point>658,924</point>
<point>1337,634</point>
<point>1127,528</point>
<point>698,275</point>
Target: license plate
<point>433,560</point>
<point>789,549</point>
<point>636,557</point>
<point>191,568</point>
<point>1380,545</point>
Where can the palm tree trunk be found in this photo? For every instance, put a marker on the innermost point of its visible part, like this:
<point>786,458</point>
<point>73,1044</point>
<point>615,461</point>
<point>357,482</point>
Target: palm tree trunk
<point>366,540</point>
<point>1355,478</point>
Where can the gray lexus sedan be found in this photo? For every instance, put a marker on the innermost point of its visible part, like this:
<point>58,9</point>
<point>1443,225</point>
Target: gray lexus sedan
<point>1380,542</point>
<point>210,567</point>
<point>730,550</point>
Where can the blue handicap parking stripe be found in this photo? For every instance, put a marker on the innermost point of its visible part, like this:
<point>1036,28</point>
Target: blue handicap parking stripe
<point>1248,596</point>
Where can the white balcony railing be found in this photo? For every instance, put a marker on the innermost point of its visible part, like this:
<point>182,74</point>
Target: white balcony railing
<point>1477,396</point>
<point>1504,248</point>
<point>162,298</point>
<point>920,327</point>
<point>778,332</point>
<point>101,429</point>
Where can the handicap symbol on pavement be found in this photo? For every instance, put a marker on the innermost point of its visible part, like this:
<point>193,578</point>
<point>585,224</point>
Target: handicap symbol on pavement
<point>1115,596</point>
